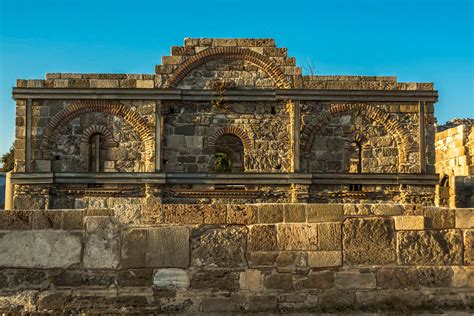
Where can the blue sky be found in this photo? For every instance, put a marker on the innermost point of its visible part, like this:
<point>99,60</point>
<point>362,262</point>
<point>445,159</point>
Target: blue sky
<point>415,40</point>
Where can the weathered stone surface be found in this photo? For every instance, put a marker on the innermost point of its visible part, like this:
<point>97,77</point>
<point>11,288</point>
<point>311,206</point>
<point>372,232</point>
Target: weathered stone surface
<point>368,241</point>
<point>462,277</point>
<point>433,247</point>
<point>262,238</point>
<point>262,259</point>
<point>223,247</point>
<point>270,213</point>
<point>51,301</point>
<point>354,279</point>
<point>387,209</point>
<point>289,260</point>
<point>295,213</point>
<point>356,209</point>
<point>223,305</point>
<point>465,218</point>
<point>317,280</point>
<point>262,303</point>
<point>409,222</point>
<point>435,276</point>
<point>215,280</point>
<point>251,280</point>
<point>195,214</point>
<point>135,277</point>
<point>73,219</point>
<point>396,278</point>
<point>241,214</point>
<point>40,249</point>
<point>469,247</point>
<point>322,259</point>
<point>102,244</point>
<point>320,213</point>
<point>439,217</point>
<point>283,281</point>
<point>329,236</point>
<point>133,253</point>
<point>168,247</point>
<point>47,219</point>
<point>297,237</point>
<point>16,220</point>
<point>172,277</point>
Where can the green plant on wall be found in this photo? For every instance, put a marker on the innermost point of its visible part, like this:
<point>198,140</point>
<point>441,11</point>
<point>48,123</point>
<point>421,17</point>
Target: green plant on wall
<point>8,160</point>
<point>222,163</point>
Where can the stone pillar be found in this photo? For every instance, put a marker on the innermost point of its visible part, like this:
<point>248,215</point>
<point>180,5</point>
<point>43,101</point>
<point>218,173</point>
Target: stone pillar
<point>8,191</point>
<point>158,136</point>
<point>421,136</point>
<point>295,123</point>
<point>151,212</point>
<point>299,193</point>
<point>29,107</point>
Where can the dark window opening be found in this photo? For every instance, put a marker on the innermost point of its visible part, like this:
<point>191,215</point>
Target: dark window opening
<point>222,163</point>
<point>229,154</point>
<point>356,158</point>
<point>273,111</point>
<point>355,187</point>
<point>444,181</point>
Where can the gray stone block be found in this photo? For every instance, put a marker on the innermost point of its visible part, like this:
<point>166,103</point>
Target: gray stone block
<point>168,247</point>
<point>102,245</point>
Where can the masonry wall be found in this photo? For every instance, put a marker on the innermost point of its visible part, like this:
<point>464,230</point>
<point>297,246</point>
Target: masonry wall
<point>238,258</point>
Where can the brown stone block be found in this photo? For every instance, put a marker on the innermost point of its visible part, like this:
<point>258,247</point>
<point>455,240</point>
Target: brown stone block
<point>387,209</point>
<point>433,247</point>
<point>103,83</point>
<point>469,247</point>
<point>280,281</point>
<point>102,242</point>
<point>439,217</point>
<point>47,219</point>
<point>52,301</point>
<point>287,261</point>
<point>409,222</point>
<point>320,213</point>
<point>134,248</point>
<point>241,214</point>
<point>246,42</point>
<point>262,238</point>
<point>135,277</point>
<point>99,212</point>
<point>317,280</point>
<point>224,42</point>
<point>435,276</point>
<point>16,220</point>
<point>324,259</point>
<point>297,237</point>
<point>264,42</point>
<point>368,241</point>
<point>168,247</point>
<point>262,259</point>
<point>396,278</point>
<point>295,213</point>
<point>195,214</point>
<point>355,279</point>
<point>465,218</point>
<point>171,60</point>
<point>261,303</point>
<point>73,220</point>
<point>329,236</point>
<point>215,280</point>
<point>251,280</point>
<point>270,213</point>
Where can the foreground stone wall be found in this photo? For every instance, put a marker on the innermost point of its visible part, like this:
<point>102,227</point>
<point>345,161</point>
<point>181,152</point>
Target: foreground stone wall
<point>237,258</point>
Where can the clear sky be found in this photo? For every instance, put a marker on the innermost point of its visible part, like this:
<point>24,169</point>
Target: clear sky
<point>415,40</point>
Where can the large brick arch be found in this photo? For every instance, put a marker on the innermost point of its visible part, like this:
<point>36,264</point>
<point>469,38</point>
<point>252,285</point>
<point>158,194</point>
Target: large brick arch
<point>88,106</point>
<point>230,130</point>
<point>245,54</point>
<point>380,116</point>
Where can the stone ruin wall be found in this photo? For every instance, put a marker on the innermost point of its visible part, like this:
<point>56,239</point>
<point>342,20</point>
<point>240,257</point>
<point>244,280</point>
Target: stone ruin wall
<point>455,166</point>
<point>239,258</point>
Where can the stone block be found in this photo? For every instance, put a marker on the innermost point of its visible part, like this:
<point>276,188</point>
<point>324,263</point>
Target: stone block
<point>195,214</point>
<point>262,238</point>
<point>323,259</point>
<point>222,305</point>
<point>439,217</point>
<point>368,241</point>
<point>215,280</point>
<point>396,278</point>
<point>145,84</point>
<point>241,214</point>
<point>73,220</point>
<point>387,209</point>
<point>317,280</point>
<point>320,213</point>
<point>251,280</point>
<point>295,213</point>
<point>102,242</point>
<point>464,218</point>
<point>355,279</point>
<point>435,276</point>
<point>262,259</point>
<point>135,277</point>
<point>469,247</point>
<point>103,83</point>
<point>356,209</point>
<point>219,247</point>
<point>270,213</point>
<point>16,220</point>
<point>40,249</point>
<point>193,141</point>
<point>42,165</point>
<point>260,303</point>
<point>168,247</point>
<point>432,247</point>
<point>47,219</point>
<point>329,236</point>
<point>172,277</point>
<point>409,222</point>
<point>51,300</point>
<point>187,130</point>
<point>279,281</point>
<point>297,236</point>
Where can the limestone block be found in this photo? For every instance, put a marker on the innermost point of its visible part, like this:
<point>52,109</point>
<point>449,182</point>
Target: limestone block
<point>297,237</point>
<point>387,209</point>
<point>355,279</point>
<point>223,280</point>
<point>263,303</point>
<point>462,277</point>
<point>329,236</point>
<point>261,259</point>
<point>42,165</point>
<point>262,238</point>
<point>134,248</point>
<point>368,241</point>
<point>317,280</point>
<point>282,281</point>
<point>439,217</point>
<point>251,280</point>
<point>172,277</point>
<point>409,222</point>
<point>219,247</point>
<point>103,83</point>
<point>193,141</point>
<point>168,247</point>
<point>40,249</point>
<point>195,214</point>
<point>436,247</point>
<point>469,247</point>
<point>396,278</point>
<point>322,259</point>
<point>464,218</point>
<point>16,220</point>
<point>435,276</point>
<point>241,214</point>
<point>135,277</point>
<point>295,213</point>
<point>320,213</point>
<point>102,242</point>
<point>145,83</point>
<point>47,219</point>
<point>270,213</point>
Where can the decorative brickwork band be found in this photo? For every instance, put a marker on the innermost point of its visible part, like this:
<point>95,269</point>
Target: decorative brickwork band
<point>88,106</point>
<point>248,55</point>
<point>232,130</point>
<point>380,116</point>
<point>102,130</point>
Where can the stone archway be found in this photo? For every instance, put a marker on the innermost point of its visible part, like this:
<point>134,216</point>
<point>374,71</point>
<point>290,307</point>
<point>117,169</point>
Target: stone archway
<point>248,55</point>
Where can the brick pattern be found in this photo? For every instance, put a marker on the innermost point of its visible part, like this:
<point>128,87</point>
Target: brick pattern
<point>98,129</point>
<point>232,130</point>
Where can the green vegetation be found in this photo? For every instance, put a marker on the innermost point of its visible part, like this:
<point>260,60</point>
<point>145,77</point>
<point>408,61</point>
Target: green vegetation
<point>8,160</point>
<point>222,163</point>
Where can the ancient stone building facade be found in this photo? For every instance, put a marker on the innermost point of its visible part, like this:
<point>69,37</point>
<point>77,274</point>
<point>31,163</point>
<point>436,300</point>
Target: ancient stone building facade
<point>238,102</point>
<point>228,182</point>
